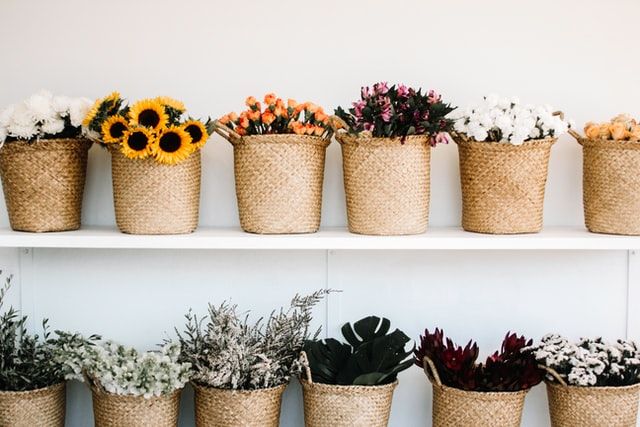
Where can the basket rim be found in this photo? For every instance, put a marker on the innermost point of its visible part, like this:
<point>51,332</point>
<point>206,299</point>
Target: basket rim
<point>41,390</point>
<point>490,395</point>
<point>492,145</point>
<point>101,392</point>
<point>588,389</point>
<point>195,385</point>
<point>357,139</point>
<point>283,138</point>
<point>47,144</point>
<point>608,143</point>
<point>340,387</point>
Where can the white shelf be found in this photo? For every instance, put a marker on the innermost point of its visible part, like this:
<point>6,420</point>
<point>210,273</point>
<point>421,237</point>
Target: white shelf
<point>552,238</point>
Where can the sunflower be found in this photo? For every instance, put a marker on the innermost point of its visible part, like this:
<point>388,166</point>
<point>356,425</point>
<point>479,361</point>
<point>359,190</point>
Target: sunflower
<point>136,143</point>
<point>172,146</point>
<point>113,129</point>
<point>171,103</point>
<point>112,98</point>
<point>198,132</point>
<point>148,113</point>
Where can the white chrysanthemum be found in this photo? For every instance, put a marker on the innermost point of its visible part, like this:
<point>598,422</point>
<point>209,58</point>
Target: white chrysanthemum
<point>78,109</point>
<point>61,105</point>
<point>3,135</point>
<point>53,126</point>
<point>6,115</point>
<point>40,106</point>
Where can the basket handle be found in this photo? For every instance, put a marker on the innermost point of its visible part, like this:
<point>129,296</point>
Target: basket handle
<point>576,135</point>
<point>226,132</point>
<point>554,374</point>
<point>305,363</point>
<point>337,123</point>
<point>431,371</point>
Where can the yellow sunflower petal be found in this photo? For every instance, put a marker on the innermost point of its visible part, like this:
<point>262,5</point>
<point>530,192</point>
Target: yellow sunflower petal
<point>113,129</point>
<point>172,146</point>
<point>148,113</point>
<point>197,131</point>
<point>172,103</point>
<point>112,99</point>
<point>136,143</point>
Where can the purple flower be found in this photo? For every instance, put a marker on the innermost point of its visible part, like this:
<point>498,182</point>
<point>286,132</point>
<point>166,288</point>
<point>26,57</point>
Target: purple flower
<point>365,92</point>
<point>403,91</point>
<point>433,97</point>
<point>358,107</point>
<point>385,112</point>
<point>368,126</point>
<point>440,138</point>
<point>380,88</point>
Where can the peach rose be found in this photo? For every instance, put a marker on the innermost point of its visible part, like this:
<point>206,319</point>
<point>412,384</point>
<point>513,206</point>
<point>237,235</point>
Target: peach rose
<point>224,119</point>
<point>318,131</point>
<point>291,103</point>
<point>309,129</point>
<point>268,117</point>
<point>604,133</point>
<point>634,134</point>
<point>270,98</point>
<point>297,127</point>
<point>254,115</point>
<point>233,117</point>
<point>251,101</point>
<point>618,131</point>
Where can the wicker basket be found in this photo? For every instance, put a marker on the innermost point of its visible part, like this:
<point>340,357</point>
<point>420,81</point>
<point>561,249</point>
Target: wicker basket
<point>153,198</point>
<point>611,185</point>
<point>112,410</point>
<point>43,183</point>
<point>44,407</point>
<point>386,183</point>
<point>238,408</point>
<point>571,406</point>
<point>503,185</point>
<point>278,181</point>
<point>458,408</point>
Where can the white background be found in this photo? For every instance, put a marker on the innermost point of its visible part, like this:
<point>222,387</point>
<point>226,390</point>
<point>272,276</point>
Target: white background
<point>578,56</point>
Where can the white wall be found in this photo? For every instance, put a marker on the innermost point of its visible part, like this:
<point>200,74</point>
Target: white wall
<point>576,55</point>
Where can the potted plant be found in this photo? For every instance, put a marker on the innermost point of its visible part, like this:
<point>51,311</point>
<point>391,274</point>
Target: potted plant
<point>611,159</point>
<point>504,150</point>
<point>241,369</point>
<point>386,139</point>
<point>480,394</point>
<point>32,375</point>
<point>43,162</point>
<point>352,384</point>
<point>590,382</point>
<point>279,152</point>
<point>130,388</point>
<point>155,162</point>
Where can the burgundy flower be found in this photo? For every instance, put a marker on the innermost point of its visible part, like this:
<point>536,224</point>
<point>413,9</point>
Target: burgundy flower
<point>403,91</point>
<point>433,97</point>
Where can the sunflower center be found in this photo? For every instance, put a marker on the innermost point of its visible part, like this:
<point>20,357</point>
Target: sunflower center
<point>170,142</point>
<point>195,132</point>
<point>138,141</point>
<point>149,118</point>
<point>117,130</point>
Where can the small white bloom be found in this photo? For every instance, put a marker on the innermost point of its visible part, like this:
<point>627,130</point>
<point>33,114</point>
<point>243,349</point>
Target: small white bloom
<point>40,106</point>
<point>6,115</point>
<point>61,105</point>
<point>53,126</point>
<point>78,109</point>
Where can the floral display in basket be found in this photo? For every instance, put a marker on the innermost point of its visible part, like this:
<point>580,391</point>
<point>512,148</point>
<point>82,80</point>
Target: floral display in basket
<point>150,128</point>
<point>621,128</point>
<point>490,393</point>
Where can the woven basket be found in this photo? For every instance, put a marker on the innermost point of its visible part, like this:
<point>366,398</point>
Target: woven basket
<point>459,408</point>
<point>43,183</point>
<point>112,410</point>
<point>44,407</point>
<point>503,185</point>
<point>571,406</point>
<point>386,183</point>
<point>153,198</point>
<point>238,408</point>
<point>278,181</point>
<point>611,185</point>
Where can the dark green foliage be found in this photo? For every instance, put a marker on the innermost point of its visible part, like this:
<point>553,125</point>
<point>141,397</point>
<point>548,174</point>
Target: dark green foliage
<point>372,356</point>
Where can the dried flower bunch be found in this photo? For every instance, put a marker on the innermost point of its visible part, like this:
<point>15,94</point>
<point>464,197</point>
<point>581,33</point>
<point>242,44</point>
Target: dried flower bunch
<point>153,128</point>
<point>505,120</point>
<point>589,362</point>
<point>43,116</point>
<point>398,111</point>
<point>372,356</point>
<point>507,370</point>
<point>125,371</point>
<point>229,352</point>
<point>620,128</point>
<point>278,118</point>
<point>29,361</point>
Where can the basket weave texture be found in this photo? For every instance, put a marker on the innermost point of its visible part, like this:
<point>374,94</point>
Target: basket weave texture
<point>279,182</point>
<point>112,410</point>
<point>153,198</point>
<point>43,183</point>
<point>44,407</point>
<point>571,406</point>
<point>503,185</point>
<point>386,183</point>
<point>346,406</point>
<point>238,408</point>
<point>611,186</point>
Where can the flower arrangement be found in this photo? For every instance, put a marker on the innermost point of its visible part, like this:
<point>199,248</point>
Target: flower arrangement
<point>371,356</point>
<point>125,371</point>
<point>43,116</point>
<point>152,128</point>
<point>278,118</point>
<point>232,353</point>
<point>510,369</point>
<point>505,120</point>
<point>590,362</point>
<point>620,128</point>
<point>398,111</point>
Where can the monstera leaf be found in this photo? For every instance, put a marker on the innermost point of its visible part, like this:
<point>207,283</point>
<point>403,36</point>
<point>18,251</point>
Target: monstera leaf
<point>325,359</point>
<point>367,329</point>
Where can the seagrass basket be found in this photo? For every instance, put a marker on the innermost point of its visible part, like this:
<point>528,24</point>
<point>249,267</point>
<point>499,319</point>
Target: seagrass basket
<point>503,185</point>
<point>386,183</point>
<point>459,408</point>
<point>328,405</point>
<point>44,407</point>
<point>278,181</point>
<point>154,198</point>
<point>572,406</point>
<point>610,185</point>
<point>238,408</point>
<point>112,410</point>
<point>43,183</point>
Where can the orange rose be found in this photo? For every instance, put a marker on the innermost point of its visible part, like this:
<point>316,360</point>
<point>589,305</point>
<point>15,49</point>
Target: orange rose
<point>224,119</point>
<point>244,122</point>
<point>635,133</point>
<point>254,115</point>
<point>318,131</point>
<point>268,117</point>
<point>241,131</point>
<point>309,129</point>
<point>279,111</point>
<point>233,117</point>
<point>321,117</point>
<point>618,131</point>
<point>250,101</point>
<point>300,107</point>
<point>592,130</point>
<point>297,127</point>
<point>279,103</point>
<point>291,103</point>
<point>312,107</point>
<point>604,132</point>
<point>270,98</point>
